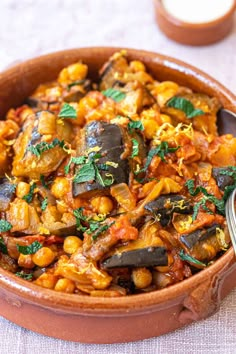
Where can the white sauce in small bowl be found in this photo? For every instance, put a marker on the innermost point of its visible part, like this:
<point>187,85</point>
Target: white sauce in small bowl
<point>198,11</point>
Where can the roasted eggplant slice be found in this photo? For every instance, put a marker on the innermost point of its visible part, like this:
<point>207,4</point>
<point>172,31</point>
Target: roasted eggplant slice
<point>144,257</point>
<point>76,90</point>
<point>164,207</point>
<point>223,180</point>
<point>7,191</point>
<point>109,138</point>
<point>112,70</point>
<point>190,240</point>
<point>28,160</point>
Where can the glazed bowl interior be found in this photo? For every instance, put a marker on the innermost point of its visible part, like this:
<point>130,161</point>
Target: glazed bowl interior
<point>18,82</point>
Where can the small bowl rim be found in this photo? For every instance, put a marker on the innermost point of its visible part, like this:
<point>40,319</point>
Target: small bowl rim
<point>82,304</point>
<point>189,25</point>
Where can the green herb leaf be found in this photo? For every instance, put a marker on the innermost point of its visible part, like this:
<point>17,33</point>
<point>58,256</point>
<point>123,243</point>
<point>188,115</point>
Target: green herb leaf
<point>42,180</point>
<point>228,190</point>
<point>43,146</point>
<point>161,150</point>
<point>135,148</point>
<point>219,203</point>
<point>80,160</point>
<point>135,124</point>
<point>75,83</point>
<point>78,213</point>
<point>184,105</point>
<point>31,249</point>
<point>67,111</point>
<point>186,257</point>
<point>116,95</point>
<point>5,225</point>
<point>3,247</point>
<point>86,173</point>
<point>44,204</point>
<point>29,197</point>
<point>102,167</point>
<point>25,276</point>
<point>102,229</point>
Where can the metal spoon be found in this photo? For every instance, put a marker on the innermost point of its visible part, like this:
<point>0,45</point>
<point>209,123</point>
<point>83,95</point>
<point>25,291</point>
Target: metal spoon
<point>231,218</point>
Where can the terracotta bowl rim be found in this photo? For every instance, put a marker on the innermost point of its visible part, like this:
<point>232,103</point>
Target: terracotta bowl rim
<point>189,25</point>
<point>79,304</point>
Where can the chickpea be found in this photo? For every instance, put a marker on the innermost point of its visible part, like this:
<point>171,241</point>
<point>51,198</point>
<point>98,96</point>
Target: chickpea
<point>142,278</point>
<point>161,280</point>
<point>62,207</point>
<point>77,71</point>
<point>71,244</point>
<point>80,120</point>
<point>65,285</point>
<point>46,281</point>
<point>165,119</point>
<point>22,189</point>
<point>73,72</point>
<point>165,90</point>
<point>150,127</point>
<point>25,261</point>
<point>43,257</point>
<point>60,187</point>
<point>136,65</point>
<point>165,269</point>
<point>102,205</point>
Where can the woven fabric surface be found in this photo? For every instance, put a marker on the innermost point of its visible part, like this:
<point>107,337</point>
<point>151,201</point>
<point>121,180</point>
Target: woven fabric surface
<point>29,28</point>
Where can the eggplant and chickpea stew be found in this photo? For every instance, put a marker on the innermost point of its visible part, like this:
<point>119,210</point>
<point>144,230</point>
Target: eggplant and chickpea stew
<point>116,187</point>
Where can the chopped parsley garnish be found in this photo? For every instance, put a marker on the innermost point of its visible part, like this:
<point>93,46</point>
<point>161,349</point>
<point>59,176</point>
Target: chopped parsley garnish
<point>43,146</point>
<point>86,173</point>
<point>102,229</point>
<point>74,83</point>
<point>44,204</point>
<point>186,257</point>
<point>219,203</point>
<point>116,95</point>
<point>94,228</point>
<point>5,225</point>
<point>135,148</point>
<point>78,213</point>
<point>77,161</point>
<point>184,105</point>
<point>161,150</point>
<point>135,124</point>
<point>42,180</point>
<point>229,171</point>
<point>31,249</point>
<point>90,170</point>
<point>67,111</point>
<point>29,197</point>
<point>25,276</point>
<point>3,247</point>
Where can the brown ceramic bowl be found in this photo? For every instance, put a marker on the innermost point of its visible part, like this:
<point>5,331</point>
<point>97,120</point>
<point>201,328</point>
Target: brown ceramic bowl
<point>194,33</point>
<point>130,318</point>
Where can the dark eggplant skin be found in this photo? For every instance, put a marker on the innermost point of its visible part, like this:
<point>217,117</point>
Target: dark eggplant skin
<point>7,192</point>
<point>143,257</point>
<point>164,206</point>
<point>190,240</point>
<point>222,179</point>
<point>110,138</point>
<point>107,74</point>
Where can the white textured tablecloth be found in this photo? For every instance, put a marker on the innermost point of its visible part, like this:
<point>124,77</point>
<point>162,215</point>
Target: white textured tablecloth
<point>32,27</point>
